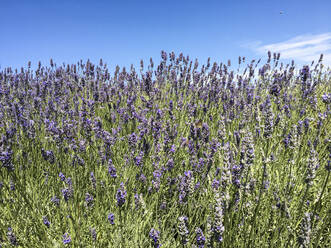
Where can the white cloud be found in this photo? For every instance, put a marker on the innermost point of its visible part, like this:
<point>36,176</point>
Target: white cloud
<point>303,48</point>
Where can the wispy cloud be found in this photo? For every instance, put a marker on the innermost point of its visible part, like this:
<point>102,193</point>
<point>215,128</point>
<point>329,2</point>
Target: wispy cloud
<point>304,48</point>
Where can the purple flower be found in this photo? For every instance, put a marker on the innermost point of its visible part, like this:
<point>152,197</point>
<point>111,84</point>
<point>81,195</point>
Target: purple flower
<point>326,98</point>
<point>217,171</point>
<point>276,87</point>
<point>156,181</point>
<point>170,164</point>
<point>12,185</point>
<point>182,229</point>
<point>136,200</point>
<point>111,218</point>
<point>89,200</point>
<point>164,55</point>
<point>304,73</point>
<point>184,186</point>
<point>159,114</point>
<point>188,173</point>
<point>163,206</point>
<point>93,180</point>
<point>218,225</point>
<point>306,124</point>
<point>142,178</point>
<point>304,239</point>
<point>215,184</point>
<point>155,236</point>
<point>6,159</point>
<point>48,155</point>
<point>46,221</point>
<point>132,140</point>
<point>268,115</point>
<point>171,106</point>
<point>120,195</point>
<point>138,160</point>
<point>112,171</point>
<point>67,193</point>
<point>55,200</point>
<point>62,176</point>
<point>157,174</point>
<point>11,237</point>
<point>201,164</point>
<point>93,233</point>
<point>236,173</point>
<point>312,165</point>
<point>205,132</point>
<point>201,240</point>
<point>173,149</point>
<point>69,181</point>
<point>66,239</point>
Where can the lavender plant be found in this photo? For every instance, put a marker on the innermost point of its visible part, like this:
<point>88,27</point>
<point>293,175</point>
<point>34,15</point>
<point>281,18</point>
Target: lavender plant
<point>178,155</point>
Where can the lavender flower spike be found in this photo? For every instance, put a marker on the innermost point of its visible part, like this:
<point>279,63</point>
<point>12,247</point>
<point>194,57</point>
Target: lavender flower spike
<point>155,236</point>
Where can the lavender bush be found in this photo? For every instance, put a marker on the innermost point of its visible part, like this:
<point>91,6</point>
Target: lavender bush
<point>173,156</point>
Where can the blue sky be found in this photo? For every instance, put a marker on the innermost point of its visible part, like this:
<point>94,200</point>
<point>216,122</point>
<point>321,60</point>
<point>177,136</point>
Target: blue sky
<point>123,32</point>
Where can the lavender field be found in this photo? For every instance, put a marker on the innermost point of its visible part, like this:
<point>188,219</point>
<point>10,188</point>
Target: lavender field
<point>171,155</point>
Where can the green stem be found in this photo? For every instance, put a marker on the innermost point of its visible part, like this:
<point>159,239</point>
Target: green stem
<point>257,206</point>
<point>300,212</point>
<point>323,189</point>
<point>317,203</point>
